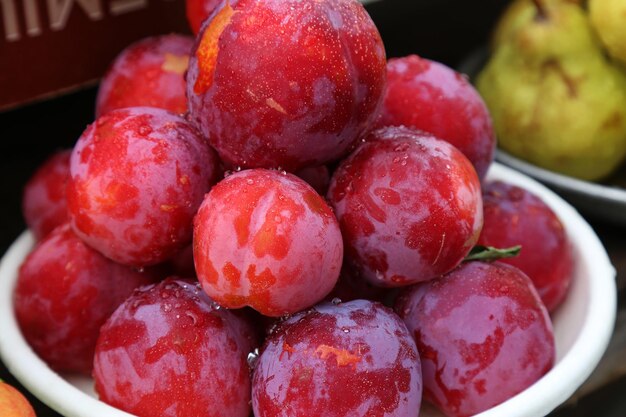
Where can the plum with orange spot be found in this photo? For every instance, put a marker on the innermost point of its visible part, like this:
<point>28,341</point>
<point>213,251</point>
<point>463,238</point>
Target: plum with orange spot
<point>137,178</point>
<point>289,83</point>
<point>44,205</point>
<point>483,335</point>
<point>409,206</point>
<point>266,239</point>
<point>170,351</point>
<point>339,360</point>
<point>429,96</point>
<point>150,72</point>
<point>65,291</point>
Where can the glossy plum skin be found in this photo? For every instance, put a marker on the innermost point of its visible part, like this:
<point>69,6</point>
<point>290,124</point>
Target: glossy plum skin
<point>429,96</point>
<point>483,335</point>
<point>138,176</point>
<point>409,206</point>
<point>150,72</point>
<point>267,240</point>
<point>170,351</point>
<point>514,216</point>
<point>302,98</point>
<point>65,291</point>
<point>344,360</point>
<point>44,205</point>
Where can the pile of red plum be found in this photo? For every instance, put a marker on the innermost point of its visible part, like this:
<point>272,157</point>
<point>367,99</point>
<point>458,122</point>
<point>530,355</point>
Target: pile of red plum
<point>274,219</point>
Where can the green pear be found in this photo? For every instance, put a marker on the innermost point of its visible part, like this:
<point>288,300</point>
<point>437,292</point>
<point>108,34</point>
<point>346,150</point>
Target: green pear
<point>556,101</point>
<point>608,18</point>
<point>515,14</point>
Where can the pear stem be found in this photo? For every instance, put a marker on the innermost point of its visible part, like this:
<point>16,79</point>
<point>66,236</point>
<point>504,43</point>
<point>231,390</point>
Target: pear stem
<point>542,12</point>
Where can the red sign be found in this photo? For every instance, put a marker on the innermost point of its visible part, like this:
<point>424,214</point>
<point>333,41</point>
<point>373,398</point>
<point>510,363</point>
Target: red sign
<point>52,46</point>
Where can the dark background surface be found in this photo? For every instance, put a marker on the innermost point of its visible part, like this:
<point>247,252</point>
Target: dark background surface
<point>443,30</point>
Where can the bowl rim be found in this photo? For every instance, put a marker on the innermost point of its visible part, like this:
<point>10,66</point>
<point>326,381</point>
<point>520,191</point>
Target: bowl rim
<point>537,400</point>
<point>609,193</point>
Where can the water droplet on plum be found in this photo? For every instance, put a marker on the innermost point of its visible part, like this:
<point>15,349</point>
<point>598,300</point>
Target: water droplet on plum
<point>144,130</point>
<point>252,358</point>
<point>192,316</point>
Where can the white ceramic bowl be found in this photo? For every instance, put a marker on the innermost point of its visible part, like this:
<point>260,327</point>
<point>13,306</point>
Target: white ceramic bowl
<point>583,326</point>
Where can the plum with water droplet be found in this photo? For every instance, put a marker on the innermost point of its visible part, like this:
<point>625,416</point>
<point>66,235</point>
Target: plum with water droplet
<point>137,178</point>
<point>409,206</point>
<point>483,335</point>
<point>65,291</point>
<point>429,96</point>
<point>338,360</point>
<point>170,351</point>
<point>265,239</point>
<point>287,84</point>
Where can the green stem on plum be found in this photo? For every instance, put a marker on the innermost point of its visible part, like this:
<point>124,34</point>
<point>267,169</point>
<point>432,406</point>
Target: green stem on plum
<point>490,254</point>
<point>542,12</point>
